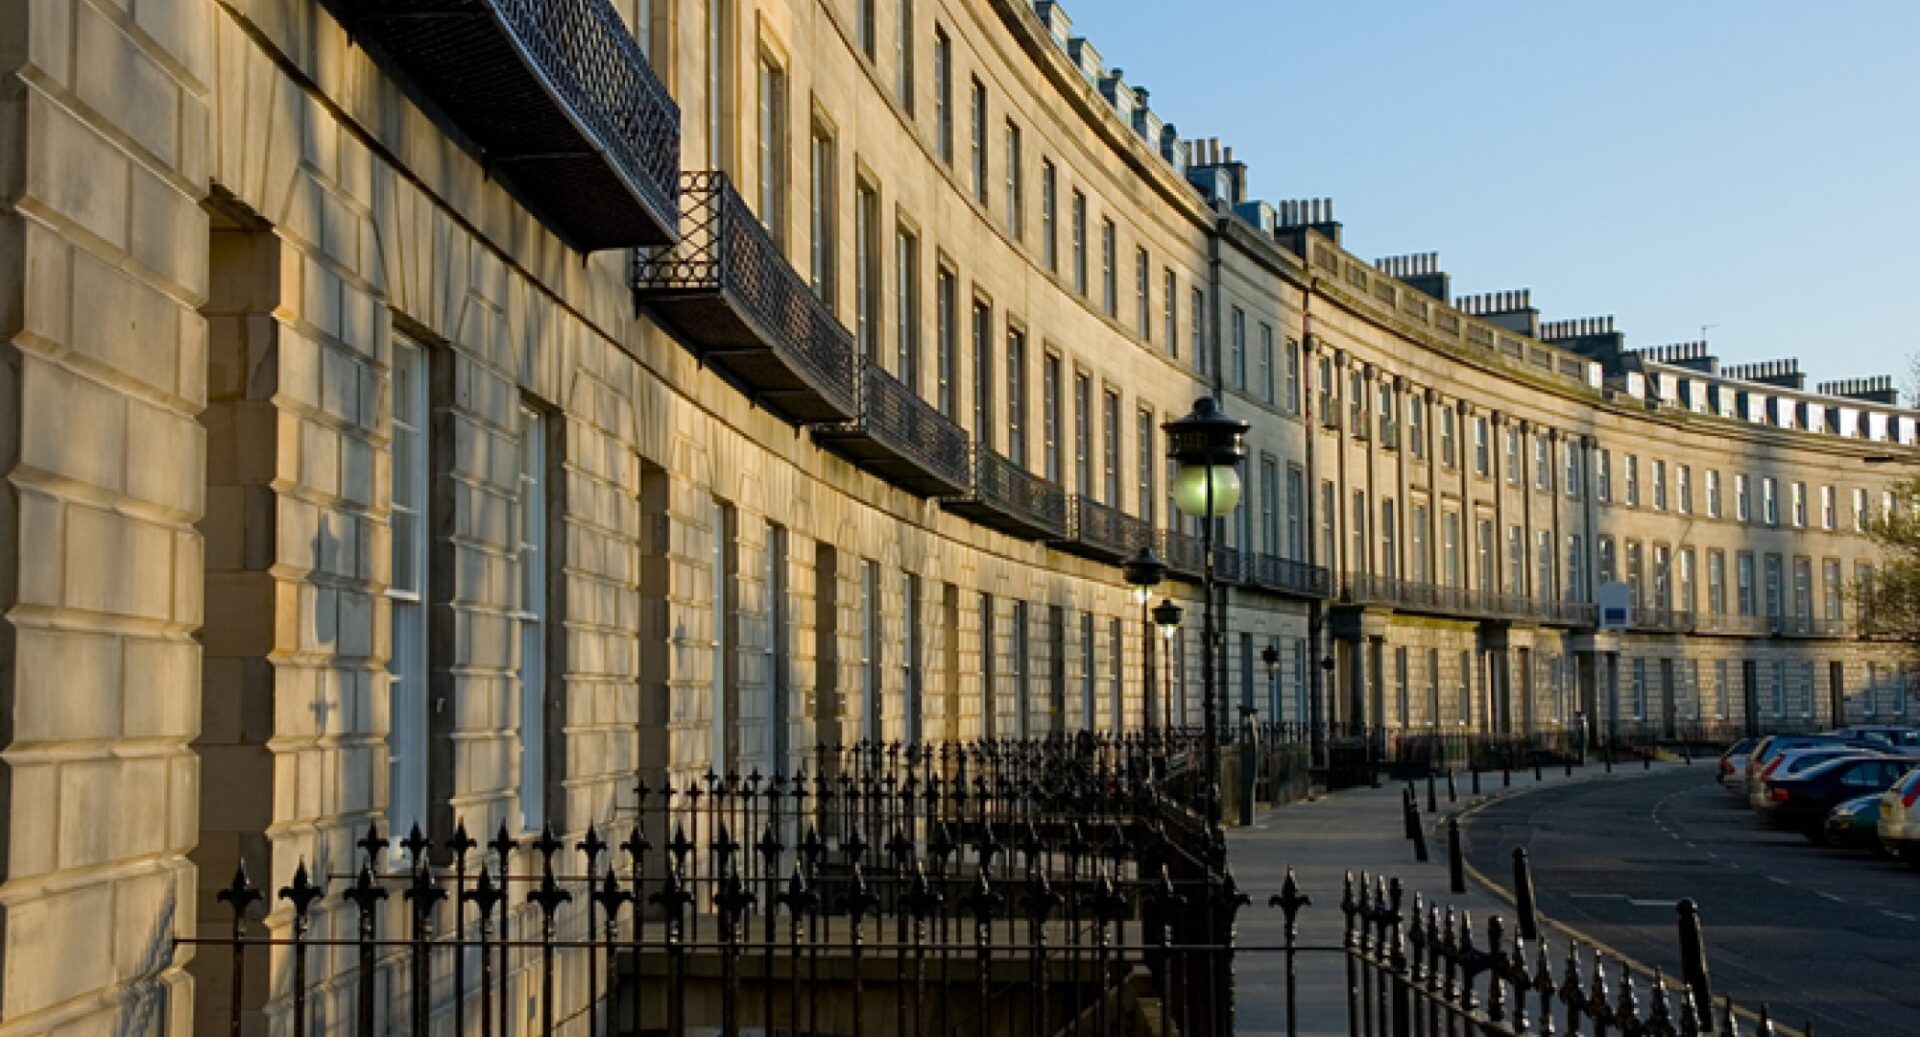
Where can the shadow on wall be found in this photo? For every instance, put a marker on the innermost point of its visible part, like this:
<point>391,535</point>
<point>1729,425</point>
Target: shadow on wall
<point>145,1009</point>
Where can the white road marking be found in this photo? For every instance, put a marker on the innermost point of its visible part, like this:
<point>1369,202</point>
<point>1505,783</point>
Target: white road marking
<point>1900,916</point>
<point>1597,896</point>
<point>1649,903</point>
<point>1776,878</point>
<point>1829,896</point>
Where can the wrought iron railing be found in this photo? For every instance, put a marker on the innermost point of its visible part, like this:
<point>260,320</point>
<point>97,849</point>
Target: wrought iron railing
<point>1372,589</point>
<point>923,448</point>
<point>1020,495</point>
<point>1104,530</point>
<point>579,103</point>
<point>726,252</point>
<point>1184,553</point>
<point>1284,574</point>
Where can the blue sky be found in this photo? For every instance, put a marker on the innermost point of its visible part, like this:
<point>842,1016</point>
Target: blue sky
<point>1749,165</point>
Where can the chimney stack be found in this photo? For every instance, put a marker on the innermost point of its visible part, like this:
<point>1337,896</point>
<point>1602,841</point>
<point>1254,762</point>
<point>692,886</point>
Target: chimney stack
<point>1419,271</point>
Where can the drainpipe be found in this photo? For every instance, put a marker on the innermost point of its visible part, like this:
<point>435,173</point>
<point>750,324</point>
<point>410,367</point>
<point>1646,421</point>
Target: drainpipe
<point>1316,607</point>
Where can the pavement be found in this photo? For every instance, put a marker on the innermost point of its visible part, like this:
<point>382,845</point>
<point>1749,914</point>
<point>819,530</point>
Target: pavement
<point>1362,831</point>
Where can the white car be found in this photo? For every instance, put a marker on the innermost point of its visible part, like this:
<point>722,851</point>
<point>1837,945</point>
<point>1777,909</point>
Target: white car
<point>1900,818</point>
<point>1797,761</point>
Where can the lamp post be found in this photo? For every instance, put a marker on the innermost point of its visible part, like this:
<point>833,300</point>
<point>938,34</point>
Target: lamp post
<point>1270,656</point>
<point>1143,573</point>
<point>1208,447</point>
<point>1166,616</point>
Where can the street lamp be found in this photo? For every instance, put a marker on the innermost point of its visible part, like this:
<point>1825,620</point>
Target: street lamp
<point>1166,616</point>
<point>1143,573</point>
<point>1208,447</point>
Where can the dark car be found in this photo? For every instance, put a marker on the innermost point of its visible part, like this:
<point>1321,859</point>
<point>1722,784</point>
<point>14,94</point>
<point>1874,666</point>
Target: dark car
<point>1801,802</point>
<point>1855,824</point>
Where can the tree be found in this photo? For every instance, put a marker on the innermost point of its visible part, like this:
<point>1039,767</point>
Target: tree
<point>1889,598</point>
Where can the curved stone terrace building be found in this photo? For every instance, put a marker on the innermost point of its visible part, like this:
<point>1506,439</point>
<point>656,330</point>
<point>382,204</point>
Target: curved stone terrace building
<point>420,418</point>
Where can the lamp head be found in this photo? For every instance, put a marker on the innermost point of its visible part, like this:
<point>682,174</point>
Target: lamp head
<point>1208,446</point>
<point>1143,573</point>
<point>1166,616</point>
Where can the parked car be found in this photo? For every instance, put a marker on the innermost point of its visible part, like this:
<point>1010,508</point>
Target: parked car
<point>1773,745</point>
<point>1855,824</point>
<point>1899,738</point>
<point>1801,802</point>
<point>1730,760</point>
<point>1799,761</point>
<point>1899,828</point>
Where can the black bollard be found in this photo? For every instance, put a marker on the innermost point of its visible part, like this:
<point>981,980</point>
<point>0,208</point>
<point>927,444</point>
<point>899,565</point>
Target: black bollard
<point>1409,814</point>
<point>1506,771</point>
<point>1646,761</point>
<point>1569,764</point>
<point>1609,757</point>
<point>1433,802</point>
<point>1474,767</point>
<point>1686,753</point>
<point>1453,789</point>
<point>1419,833</point>
<point>1456,865</point>
<point>1523,897</point>
<point>1693,953</point>
<point>1537,776</point>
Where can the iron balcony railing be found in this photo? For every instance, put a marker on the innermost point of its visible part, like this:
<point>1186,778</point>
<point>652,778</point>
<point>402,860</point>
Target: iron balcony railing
<point>557,97</point>
<point>1102,532</point>
<point>1270,572</point>
<point>1184,554</point>
<point>734,300</point>
<point>1011,499</point>
<point>1412,596</point>
<point>1227,565</point>
<point>903,439</point>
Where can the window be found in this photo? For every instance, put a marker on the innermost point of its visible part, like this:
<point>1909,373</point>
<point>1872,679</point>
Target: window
<point>823,219</point>
<point>1170,312</point>
<point>1082,434</point>
<point>983,372</point>
<point>772,114</point>
<point>1513,470</point>
<point>1266,364</point>
<point>1237,347</point>
<point>1542,462</point>
<point>1357,402</point>
<point>407,592</point>
<point>946,303</point>
<point>1417,426</point>
<point>1357,559</point>
<point>866,270</point>
<point>1774,575</point>
<point>870,653</point>
<point>1482,448</point>
<point>1716,583</point>
<point>1603,475</point>
<point>530,537</point>
<point>1389,540</point>
<point>866,27</point>
<point>1446,437</point>
<point>1685,586</point>
<point>1859,510</point>
<point>910,662</point>
<point>1269,507</point>
<point>1769,501</point>
<point>1143,294</point>
<point>1050,416</point>
<point>720,99</point>
<point>1420,520</point>
<point>1016,190</point>
<point>1799,490</point>
<point>943,95</point>
<point>1606,565</point>
<point>1633,481</point>
<point>1830,589</point>
<point>1197,318</point>
<point>1450,547</point>
<point>1328,519</point>
<point>1384,411</point>
<point>1663,578</point>
<point>1110,445</point>
<point>1659,486</point>
<point>1516,560</point>
<point>1143,450</point>
<point>1543,565</point>
<point>1466,687</point>
<point>903,56</point>
<point>1109,286</point>
<point>1296,516</point>
<point>1016,395</point>
<point>906,262</point>
<point>1080,243</point>
<point>1713,493</point>
<point>1571,471</point>
<point>1803,588</point>
<point>988,662</point>
<point>1484,554</point>
<point>1636,573</point>
<point>1742,499</point>
<point>977,139</point>
<point>1743,583</point>
<point>1049,215</point>
<point>1293,377</point>
<point>1022,672</point>
<point>1683,487</point>
<point>1828,509</point>
<point>1576,588</point>
<point>778,651</point>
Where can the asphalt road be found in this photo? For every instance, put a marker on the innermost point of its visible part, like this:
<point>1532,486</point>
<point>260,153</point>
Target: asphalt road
<point>1827,936</point>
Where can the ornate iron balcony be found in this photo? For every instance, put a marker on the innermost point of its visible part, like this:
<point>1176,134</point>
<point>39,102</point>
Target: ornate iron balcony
<point>1102,533</point>
<point>903,439</point>
<point>1290,577</point>
<point>736,302</point>
<point>1012,500</point>
<point>1184,554</point>
<point>557,98</point>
